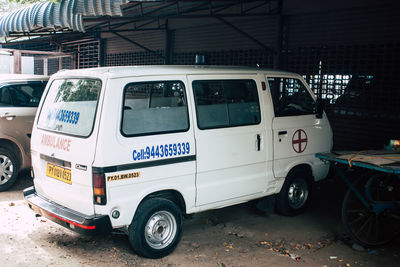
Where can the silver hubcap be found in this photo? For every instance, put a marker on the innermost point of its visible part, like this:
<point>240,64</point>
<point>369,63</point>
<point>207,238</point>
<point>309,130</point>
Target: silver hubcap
<point>298,193</point>
<point>6,169</point>
<point>160,230</point>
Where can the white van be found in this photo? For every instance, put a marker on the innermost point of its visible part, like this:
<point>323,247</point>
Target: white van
<point>139,148</point>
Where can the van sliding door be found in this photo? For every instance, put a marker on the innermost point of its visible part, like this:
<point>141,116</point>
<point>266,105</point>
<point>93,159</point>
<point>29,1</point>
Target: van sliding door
<point>229,132</point>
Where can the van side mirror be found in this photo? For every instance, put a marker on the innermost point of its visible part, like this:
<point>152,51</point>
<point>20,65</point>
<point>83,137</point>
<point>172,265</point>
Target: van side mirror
<point>319,108</point>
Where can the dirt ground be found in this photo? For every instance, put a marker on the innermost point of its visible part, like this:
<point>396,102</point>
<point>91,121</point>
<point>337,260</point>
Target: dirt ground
<point>233,236</point>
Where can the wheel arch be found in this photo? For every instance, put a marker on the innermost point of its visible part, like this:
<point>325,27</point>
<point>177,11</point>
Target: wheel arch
<point>317,168</point>
<point>304,167</point>
<point>294,194</point>
<point>170,194</point>
<point>12,146</point>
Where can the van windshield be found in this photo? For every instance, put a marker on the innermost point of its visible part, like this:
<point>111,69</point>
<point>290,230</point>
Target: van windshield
<point>70,106</point>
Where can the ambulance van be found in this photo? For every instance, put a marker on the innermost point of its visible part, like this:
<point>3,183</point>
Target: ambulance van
<point>138,149</point>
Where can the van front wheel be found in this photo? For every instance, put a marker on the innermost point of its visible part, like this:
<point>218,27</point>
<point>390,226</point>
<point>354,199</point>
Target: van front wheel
<point>156,228</point>
<point>295,193</point>
<point>8,169</point>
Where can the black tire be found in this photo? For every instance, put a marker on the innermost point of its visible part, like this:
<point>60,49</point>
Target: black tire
<point>365,226</point>
<point>295,193</point>
<point>164,218</point>
<point>9,168</point>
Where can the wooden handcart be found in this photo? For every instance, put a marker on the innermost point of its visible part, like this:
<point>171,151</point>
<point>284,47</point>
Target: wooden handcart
<point>371,205</point>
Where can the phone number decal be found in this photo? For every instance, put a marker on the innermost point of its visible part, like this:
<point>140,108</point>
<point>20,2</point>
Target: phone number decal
<point>161,151</point>
<point>66,116</point>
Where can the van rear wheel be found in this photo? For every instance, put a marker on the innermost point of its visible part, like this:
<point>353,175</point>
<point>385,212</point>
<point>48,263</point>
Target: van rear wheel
<point>8,169</point>
<point>295,193</point>
<point>156,228</point>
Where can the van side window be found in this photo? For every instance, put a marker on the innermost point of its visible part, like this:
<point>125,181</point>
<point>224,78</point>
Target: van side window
<point>154,107</point>
<point>226,103</point>
<point>290,97</point>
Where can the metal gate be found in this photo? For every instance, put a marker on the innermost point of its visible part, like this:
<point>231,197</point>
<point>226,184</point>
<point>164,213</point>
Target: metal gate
<point>359,84</point>
<point>44,63</point>
<point>87,52</point>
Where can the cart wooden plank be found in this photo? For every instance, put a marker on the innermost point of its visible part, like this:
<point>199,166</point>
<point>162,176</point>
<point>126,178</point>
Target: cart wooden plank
<point>380,160</point>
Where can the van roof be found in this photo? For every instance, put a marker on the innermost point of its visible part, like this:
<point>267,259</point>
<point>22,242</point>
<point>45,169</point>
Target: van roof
<point>127,71</point>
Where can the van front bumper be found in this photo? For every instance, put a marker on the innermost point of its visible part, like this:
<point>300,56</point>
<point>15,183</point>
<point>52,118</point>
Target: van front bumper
<point>73,220</point>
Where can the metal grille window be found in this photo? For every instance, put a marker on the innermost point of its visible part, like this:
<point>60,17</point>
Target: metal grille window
<point>252,58</point>
<point>329,87</point>
<point>88,53</point>
<point>134,58</point>
<point>233,57</point>
<point>331,71</point>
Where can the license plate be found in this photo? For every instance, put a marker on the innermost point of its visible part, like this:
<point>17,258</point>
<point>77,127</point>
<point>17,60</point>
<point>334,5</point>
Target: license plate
<point>59,173</point>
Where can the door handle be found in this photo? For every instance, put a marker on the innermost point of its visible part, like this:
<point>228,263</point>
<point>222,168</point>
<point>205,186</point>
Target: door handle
<point>280,133</point>
<point>7,116</point>
<point>258,142</point>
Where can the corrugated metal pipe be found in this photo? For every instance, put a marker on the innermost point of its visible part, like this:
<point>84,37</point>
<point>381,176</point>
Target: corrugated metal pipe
<point>67,14</point>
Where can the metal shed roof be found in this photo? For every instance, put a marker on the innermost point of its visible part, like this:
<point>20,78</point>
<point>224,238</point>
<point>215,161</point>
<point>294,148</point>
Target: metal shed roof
<point>94,16</point>
<point>67,14</point>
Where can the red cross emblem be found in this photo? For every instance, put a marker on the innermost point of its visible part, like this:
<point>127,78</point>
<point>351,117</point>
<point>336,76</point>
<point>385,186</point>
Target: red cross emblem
<point>299,141</point>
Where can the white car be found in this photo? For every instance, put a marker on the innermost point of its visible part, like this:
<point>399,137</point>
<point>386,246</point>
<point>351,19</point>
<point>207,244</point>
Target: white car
<point>19,98</point>
<point>138,148</point>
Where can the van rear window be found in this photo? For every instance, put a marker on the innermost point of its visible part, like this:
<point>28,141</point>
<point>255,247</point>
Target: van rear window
<point>70,106</point>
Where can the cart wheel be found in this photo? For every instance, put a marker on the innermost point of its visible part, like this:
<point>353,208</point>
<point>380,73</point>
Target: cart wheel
<point>367,227</point>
